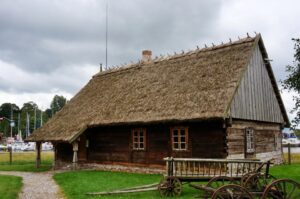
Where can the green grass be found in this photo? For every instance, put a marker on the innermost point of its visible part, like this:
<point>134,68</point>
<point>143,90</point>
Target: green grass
<point>76,184</point>
<point>10,186</point>
<point>25,161</point>
<point>287,171</point>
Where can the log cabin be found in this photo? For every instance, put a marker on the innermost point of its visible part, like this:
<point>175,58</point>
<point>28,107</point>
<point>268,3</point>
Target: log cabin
<point>216,102</point>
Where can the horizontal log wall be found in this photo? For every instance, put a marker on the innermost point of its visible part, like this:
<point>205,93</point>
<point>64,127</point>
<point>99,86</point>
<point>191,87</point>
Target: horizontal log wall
<point>114,144</point>
<point>264,136</point>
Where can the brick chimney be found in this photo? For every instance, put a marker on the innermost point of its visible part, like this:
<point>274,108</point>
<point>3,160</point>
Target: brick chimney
<point>146,55</point>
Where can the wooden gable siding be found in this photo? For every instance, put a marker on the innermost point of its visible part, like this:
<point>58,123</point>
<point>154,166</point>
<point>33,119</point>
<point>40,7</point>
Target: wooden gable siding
<point>255,98</point>
<point>114,144</point>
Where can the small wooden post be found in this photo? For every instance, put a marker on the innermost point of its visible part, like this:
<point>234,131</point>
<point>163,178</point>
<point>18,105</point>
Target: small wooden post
<point>289,153</point>
<point>75,157</point>
<point>38,155</point>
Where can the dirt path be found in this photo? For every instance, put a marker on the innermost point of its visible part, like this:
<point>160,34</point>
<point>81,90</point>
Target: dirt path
<point>37,185</point>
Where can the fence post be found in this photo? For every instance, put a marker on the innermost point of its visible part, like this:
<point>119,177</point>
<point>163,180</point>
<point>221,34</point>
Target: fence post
<point>289,153</point>
<point>10,154</point>
<point>38,154</point>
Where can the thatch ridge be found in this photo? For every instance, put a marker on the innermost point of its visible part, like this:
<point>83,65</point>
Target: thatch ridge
<point>195,85</point>
<point>176,55</point>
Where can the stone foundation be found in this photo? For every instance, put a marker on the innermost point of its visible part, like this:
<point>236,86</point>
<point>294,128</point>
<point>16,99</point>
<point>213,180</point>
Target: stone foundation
<point>276,156</point>
<point>109,167</point>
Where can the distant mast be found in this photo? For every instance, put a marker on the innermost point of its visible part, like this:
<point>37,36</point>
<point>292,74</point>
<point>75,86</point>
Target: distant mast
<point>11,119</point>
<point>19,121</point>
<point>34,118</point>
<point>27,125</point>
<point>41,118</point>
<point>19,125</point>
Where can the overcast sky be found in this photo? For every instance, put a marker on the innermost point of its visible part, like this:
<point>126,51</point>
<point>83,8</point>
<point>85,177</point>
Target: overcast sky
<point>50,47</point>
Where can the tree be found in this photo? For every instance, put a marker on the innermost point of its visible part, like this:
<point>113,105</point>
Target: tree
<point>292,81</point>
<point>57,103</point>
<point>48,112</point>
<point>29,108</point>
<point>8,110</point>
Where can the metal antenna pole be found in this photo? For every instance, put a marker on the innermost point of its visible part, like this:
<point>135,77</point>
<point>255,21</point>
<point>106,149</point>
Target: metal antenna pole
<point>106,35</point>
<point>11,118</point>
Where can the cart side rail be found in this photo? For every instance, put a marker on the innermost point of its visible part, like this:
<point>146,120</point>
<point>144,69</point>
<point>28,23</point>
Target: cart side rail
<point>208,168</point>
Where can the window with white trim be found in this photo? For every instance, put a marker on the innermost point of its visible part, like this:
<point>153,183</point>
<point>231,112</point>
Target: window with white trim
<point>179,136</point>
<point>139,139</point>
<point>250,145</point>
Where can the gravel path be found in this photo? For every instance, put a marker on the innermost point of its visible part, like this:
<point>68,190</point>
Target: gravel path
<point>37,185</point>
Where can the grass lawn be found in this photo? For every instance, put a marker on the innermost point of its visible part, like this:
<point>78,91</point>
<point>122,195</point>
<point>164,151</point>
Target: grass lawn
<point>287,171</point>
<point>10,186</point>
<point>25,161</point>
<point>76,184</point>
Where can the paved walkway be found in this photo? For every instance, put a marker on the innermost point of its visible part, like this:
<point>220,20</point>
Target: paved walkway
<point>37,185</point>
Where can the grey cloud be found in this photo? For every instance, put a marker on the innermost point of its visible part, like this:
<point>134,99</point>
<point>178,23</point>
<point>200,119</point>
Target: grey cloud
<point>42,36</point>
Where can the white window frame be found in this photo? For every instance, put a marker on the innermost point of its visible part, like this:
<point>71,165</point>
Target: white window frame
<point>250,140</point>
<point>137,144</point>
<point>179,142</point>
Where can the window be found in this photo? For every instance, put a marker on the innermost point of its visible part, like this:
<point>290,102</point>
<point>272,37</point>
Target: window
<point>179,138</point>
<point>139,139</point>
<point>250,141</point>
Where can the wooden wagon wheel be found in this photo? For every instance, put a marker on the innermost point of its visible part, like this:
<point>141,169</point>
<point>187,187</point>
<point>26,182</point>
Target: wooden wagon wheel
<point>170,186</point>
<point>245,177</point>
<point>219,181</point>
<point>282,189</point>
<point>231,191</point>
<point>257,182</point>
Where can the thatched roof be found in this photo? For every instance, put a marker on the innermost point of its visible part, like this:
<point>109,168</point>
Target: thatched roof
<point>196,85</point>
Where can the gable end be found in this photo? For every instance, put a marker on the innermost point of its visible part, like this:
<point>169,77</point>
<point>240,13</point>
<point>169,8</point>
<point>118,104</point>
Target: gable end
<point>256,97</point>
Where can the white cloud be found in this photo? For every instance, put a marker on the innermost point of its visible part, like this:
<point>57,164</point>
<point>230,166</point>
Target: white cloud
<point>275,20</point>
<point>288,101</point>
<point>68,79</point>
<point>19,86</point>
<point>43,100</point>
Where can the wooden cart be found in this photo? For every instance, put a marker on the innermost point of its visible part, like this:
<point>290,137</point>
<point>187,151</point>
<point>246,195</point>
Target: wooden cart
<point>180,170</point>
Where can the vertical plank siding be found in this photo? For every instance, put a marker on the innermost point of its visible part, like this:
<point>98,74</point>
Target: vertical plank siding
<point>255,98</point>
